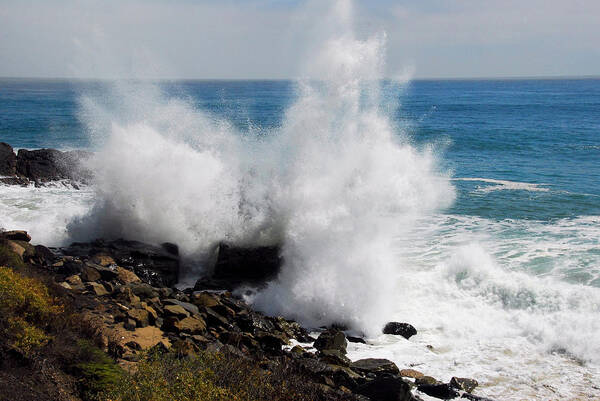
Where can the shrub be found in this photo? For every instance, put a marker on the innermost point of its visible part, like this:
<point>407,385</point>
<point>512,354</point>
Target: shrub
<point>26,308</point>
<point>207,377</point>
<point>97,370</point>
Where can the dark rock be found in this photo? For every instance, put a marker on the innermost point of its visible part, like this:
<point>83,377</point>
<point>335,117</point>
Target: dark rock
<point>375,366</point>
<point>43,256</point>
<point>334,356</point>
<point>401,329</point>
<point>8,160</point>
<point>353,339</point>
<point>141,317</point>
<point>129,324</point>
<point>173,249</point>
<point>442,391</point>
<point>473,397</point>
<point>386,389</point>
<point>237,265</point>
<point>89,274</point>
<point>331,339</point>
<point>142,290</point>
<point>463,383</point>
<point>176,310</point>
<point>15,235</point>
<point>152,264</point>
<point>270,342</point>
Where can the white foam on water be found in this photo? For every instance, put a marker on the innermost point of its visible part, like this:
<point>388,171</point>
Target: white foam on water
<point>44,212</point>
<point>502,185</point>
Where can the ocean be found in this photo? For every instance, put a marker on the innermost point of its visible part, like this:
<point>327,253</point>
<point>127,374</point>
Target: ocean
<point>469,208</point>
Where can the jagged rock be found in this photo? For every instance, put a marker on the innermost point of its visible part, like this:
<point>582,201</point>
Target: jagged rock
<point>126,276</point>
<point>129,324</point>
<point>103,260</point>
<point>463,383</point>
<point>413,374</point>
<point>152,264</point>
<point>97,288</point>
<point>15,235</point>
<point>143,290</point>
<point>8,160</point>
<point>386,389</point>
<point>238,265</point>
<point>375,366</point>
<point>474,397</point>
<point>42,256</point>
<point>16,248</point>
<point>141,317</point>
<point>90,274</point>
<point>192,309</point>
<point>270,341</point>
<point>334,356</point>
<point>331,339</point>
<point>74,280</point>
<point>443,391</point>
<point>125,294</point>
<point>402,329</point>
<point>189,325</point>
<point>205,299</point>
<point>176,310</point>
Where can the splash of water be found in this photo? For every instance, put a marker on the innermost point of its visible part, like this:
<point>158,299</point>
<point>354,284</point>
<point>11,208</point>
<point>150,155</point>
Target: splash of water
<point>335,185</point>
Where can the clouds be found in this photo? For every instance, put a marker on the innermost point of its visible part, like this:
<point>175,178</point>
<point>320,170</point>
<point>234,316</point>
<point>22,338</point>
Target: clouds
<point>269,39</point>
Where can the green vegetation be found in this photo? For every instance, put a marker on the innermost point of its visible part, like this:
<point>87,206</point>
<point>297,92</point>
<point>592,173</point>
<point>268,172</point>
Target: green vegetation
<point>207,377</point>
<point>26,307</point>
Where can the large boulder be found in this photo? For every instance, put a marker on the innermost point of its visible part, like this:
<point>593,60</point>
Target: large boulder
<point>8,160</point>
<point>238,265</point>
<point>331,339</point>
<point>43,165</point>
<point>154,265</point>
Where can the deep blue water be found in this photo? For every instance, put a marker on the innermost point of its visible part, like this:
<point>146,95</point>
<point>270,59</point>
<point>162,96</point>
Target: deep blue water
<point>544,132</point>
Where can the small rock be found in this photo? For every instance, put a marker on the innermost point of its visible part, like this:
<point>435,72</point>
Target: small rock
<point>401,329</point>
<point>463,383</point>
<point>103,260</point>
<point>331,339</point>
<point>413,374</point>
<point>426,380</point>
<point>190,325</point>
<point>65,285</point>
<point>129,324</point>
<point>190,308</point>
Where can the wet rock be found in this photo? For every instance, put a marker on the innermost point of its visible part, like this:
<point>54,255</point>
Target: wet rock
<point>42,256</point>
<point>270,342</point>
<point>8,160</point>
<point>386,389</point>
<point>353,339</point>
<point>473,397</point>
<point>238,265</point>
<point>152,264</point>
<point>15,235</point>
<point>401,329</point>
<point>442,391</point>
<point>463,383</point>
<point>331,339</point>
<point>375,366</point>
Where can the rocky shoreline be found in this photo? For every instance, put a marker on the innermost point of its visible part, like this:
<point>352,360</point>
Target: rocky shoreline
<point>128,289</point>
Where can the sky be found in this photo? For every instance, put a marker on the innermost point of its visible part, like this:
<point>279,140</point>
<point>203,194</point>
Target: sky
<point>256,39</point>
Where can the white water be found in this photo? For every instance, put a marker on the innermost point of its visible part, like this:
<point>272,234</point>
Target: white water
<point>354,205</point>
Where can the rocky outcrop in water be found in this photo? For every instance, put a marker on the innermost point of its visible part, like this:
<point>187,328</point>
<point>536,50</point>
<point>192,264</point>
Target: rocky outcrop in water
<point>42,166</point>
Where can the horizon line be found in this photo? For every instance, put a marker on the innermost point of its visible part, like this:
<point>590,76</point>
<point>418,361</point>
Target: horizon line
<point>463,78</point>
